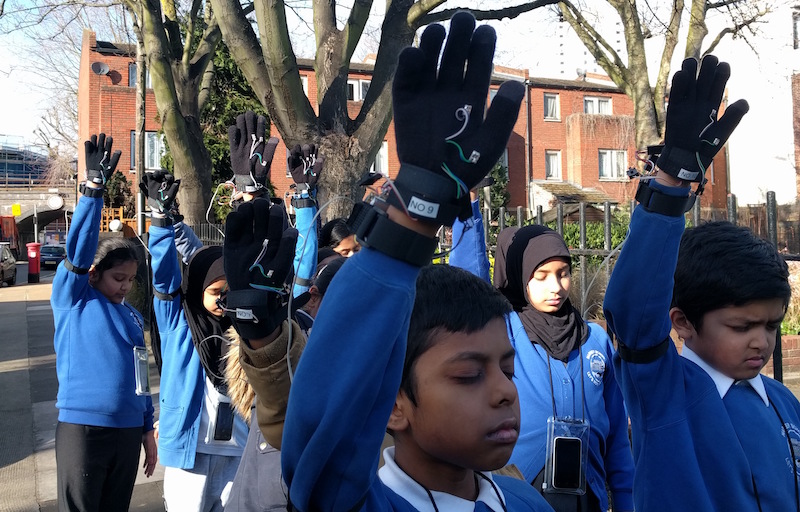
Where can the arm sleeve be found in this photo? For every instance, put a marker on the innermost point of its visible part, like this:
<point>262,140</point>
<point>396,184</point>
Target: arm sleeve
<point>268,373</point>
<point>305,257</point>
<point>469,245</point>
<point>186,241</point>
<point>618,457</point>
<point>84,233</point>
<point>149,414</point>
<point>347,382</point>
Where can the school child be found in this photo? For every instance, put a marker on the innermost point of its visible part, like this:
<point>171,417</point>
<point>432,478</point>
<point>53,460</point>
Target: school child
<point>105,411</point>
<point>562,370</point>
<point>200,435</point>
<point>452,406</point>
<point>337,235</point>
<point>709,432</point>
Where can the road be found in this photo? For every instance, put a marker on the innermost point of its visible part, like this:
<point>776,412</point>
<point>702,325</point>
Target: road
<point>27,408</point>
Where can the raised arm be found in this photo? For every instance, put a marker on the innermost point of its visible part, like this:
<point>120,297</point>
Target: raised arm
<point>469,244</point>
<point>305,166</point>
<point>72,278</point>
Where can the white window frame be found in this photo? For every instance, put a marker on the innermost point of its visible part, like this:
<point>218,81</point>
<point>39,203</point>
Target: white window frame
<point>557,99</point>
<point>552,156</point>
<point>381,163</point>
<point>132,67</point>
<point>596,102</point>
<point>616,169</point>
<point>358,91</point>
<point>304,82</point>
<point>153,141</point>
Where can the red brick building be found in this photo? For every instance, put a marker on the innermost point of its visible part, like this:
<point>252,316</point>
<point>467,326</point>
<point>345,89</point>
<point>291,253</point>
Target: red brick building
<point>573,140</point>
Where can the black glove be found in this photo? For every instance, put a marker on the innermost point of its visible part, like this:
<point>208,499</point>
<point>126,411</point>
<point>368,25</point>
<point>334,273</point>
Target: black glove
<point>160,188</point>
<point>251,155</point>
<point>444,144</point>
<point>305,166</point>
<point>693,133</point>
<point>258,255</point>
<point>100,162</point>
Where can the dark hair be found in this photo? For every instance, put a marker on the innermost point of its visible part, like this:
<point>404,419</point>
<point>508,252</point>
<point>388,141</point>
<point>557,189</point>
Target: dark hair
<point>112,251</point>
<point>333,232</point>
<point>449,299</point>
<point>325,273</point>
<point>722,265</point>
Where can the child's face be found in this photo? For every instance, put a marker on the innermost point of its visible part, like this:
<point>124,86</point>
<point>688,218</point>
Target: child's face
<point>548,288</point>
<point>213,292</point>
<point>737,340</point>
<point>467,412</point>
<point>115,282</point>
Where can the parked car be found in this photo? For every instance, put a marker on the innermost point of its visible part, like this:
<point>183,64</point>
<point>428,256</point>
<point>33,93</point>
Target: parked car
<point>8,265</point>
<point>52,255</point>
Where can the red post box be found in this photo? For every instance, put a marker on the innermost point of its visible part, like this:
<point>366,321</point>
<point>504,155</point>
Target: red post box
<point>34,250</point>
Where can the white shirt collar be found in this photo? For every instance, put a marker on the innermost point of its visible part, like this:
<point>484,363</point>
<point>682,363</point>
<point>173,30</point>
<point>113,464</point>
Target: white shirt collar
<point>397,480</point>
<point>722,381</point>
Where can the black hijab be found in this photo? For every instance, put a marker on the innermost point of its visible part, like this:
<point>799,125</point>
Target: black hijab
<point>208,331</point>
<point>520,251</point>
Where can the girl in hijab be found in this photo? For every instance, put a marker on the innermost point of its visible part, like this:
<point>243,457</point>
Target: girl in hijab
<point>200,434</point>
<point>574,429</point>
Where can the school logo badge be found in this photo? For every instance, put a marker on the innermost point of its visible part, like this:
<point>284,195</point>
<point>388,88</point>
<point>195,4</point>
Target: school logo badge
<point>794,439</point>
<point>597,366</point>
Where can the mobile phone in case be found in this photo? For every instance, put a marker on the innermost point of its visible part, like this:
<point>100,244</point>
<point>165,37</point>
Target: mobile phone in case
<point>141,367</point>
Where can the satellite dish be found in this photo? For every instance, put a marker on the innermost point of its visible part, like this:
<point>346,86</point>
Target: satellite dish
<point>54,202</point>
<point>581,72</point>
<point>99,68</point>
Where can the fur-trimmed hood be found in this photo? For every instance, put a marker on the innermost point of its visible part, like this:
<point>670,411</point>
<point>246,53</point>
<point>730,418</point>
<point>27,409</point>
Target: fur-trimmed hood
<point>240,391</point>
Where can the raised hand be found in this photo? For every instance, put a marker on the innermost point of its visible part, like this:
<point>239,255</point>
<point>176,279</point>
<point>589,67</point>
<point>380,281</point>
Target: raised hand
<point>100,161</point>
<point>305,166</point>
<point>251,155</point>
<point>160,188</point>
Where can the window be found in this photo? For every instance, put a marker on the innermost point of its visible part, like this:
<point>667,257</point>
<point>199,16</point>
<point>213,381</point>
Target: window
<point>132,76</point>
<point>552,110</point>
<point>153,150</point>
<point>552,164</point>
<point>381,164</point>
<point>612,164</point>
<point>304,82</point>
<point>595,105</point>
<point>796,30</point>
<point>357,89</point>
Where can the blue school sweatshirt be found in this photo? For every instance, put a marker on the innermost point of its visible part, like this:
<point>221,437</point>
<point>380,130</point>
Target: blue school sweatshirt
<point>685,445</point>
<point>344,390</point>
<point>610,457</point>
<point>94,339</point>
<point>305,254</point>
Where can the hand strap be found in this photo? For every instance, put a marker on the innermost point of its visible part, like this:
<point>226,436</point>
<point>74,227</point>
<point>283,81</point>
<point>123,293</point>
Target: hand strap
<point>90,192</point>
<point>72,268</point>
<point>654,200</point>
<point>255,313</point>
<point>303,202</point>
<point>162,222</point>
<point>373,229</point>
<point>429,196</point>
<point>166,297</point>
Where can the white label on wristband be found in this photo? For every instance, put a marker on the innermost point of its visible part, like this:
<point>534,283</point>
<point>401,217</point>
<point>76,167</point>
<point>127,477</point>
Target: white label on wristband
<point>244,314</point>
<point>423,208</point>
<point>683,174</point>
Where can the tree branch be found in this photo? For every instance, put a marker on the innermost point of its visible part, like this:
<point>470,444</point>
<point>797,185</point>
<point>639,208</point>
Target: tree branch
<point>493,14</point>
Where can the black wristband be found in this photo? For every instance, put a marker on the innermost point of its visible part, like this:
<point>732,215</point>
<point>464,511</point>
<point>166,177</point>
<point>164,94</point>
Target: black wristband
<point>645,356</point>
<point>255,313</point>
<point>89,191</point>
<point>166,297</point>
<point>72,268</point>
<point>654,200</point>
<point>429,196</point>
<point>161,222</point>
<point>373,228</point>
<point>303,202</point>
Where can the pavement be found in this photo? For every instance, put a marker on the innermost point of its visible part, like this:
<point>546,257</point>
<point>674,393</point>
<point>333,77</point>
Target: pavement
<point>28,415</point>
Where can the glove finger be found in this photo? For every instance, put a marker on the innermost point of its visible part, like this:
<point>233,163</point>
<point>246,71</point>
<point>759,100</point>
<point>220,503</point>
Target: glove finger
<point>479,65</point>
<point>143,188</point>
<point>431,46</point>
<point>172,192</point>
<point>408,77</point>
<point>284,255</point>
<point>241,124</point>
<point>93,140</point>
<point>239,226</point>
<point>706,78</point>
<point>277,224</point>
<point>89,147</point>
<point>729,120</point>
<point>101,142</point>
<point>718,85</point>
<point>456,50</point>
<point>269,149</point>
<point>114,159</point>
<point>250,120</point>
<point>261,126</point>
<point>683,81</point>
<point>261,219</point>
<point>234,136</point>
<point>306,151</point>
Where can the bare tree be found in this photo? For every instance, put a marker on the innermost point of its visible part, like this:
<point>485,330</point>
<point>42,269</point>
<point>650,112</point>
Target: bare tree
<point>640,21</point>
<point>268,61</point>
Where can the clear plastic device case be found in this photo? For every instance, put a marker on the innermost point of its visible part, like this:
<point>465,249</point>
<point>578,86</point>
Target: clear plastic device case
<point>142,371</point>
<point>566,456</point>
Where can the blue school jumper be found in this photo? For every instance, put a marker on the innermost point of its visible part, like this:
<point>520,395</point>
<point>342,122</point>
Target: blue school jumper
<point>94,339</point>
<point>693,450</point>
<point>344,390</point>
<point>609,449</point>
<point>183,379</point>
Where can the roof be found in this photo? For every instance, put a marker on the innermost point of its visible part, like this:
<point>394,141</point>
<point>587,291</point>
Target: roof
<point>115,48</point>
<point>581,85</point>
<point>567,193</point>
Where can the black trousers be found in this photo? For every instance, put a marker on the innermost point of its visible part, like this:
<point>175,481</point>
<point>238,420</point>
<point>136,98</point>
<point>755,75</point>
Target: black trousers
<point>96,467</point>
